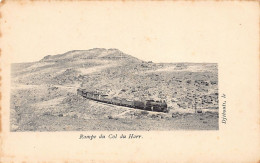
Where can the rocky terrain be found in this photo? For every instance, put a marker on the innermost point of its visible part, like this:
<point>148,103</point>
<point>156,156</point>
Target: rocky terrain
<point>43,95</point>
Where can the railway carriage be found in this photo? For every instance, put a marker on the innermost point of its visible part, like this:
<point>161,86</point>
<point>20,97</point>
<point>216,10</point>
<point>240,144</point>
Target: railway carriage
<point>96,96</point>
<point>116,101</point>
<point>105,98</point>
<point>139,104</point>
<point>151,105</point>
<point>127,103</point>
<point>89,95</point>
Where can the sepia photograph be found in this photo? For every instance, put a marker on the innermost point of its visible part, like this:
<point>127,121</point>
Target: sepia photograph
<point>106,89</point>
<point>129,81</point>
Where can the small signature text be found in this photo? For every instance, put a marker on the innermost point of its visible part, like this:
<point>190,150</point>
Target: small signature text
<point>224,111</point>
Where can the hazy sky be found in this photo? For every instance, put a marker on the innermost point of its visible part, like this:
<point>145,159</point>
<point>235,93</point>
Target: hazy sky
<point>157,31</point>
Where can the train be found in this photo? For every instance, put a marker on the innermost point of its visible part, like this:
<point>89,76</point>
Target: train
<point>150,105</point>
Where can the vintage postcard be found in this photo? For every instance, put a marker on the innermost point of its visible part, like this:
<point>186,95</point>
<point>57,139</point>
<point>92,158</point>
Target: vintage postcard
<point>130,81</point>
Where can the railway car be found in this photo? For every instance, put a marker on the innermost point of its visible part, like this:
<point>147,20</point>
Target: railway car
<point>116,101</point>
<point>96,96</point>
<point>127,103</point>
<point>89,95</point>
<point>151,105</point>
<point>102,97</point>
<point>105,99</point>
<point>139,104</point>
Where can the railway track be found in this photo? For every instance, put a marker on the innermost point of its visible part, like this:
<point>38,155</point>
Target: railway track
<point>149,105</point>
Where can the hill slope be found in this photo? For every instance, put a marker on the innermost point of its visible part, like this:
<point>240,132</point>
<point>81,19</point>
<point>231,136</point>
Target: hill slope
<point>111,72</point>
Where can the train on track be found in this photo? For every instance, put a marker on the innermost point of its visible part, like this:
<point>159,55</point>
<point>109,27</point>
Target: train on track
<point>150,105</point>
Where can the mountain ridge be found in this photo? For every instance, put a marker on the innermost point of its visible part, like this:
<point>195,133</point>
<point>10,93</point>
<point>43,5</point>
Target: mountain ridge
<point>95,53</point>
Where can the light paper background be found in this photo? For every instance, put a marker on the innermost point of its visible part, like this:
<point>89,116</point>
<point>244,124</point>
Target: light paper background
<point>223,32</point>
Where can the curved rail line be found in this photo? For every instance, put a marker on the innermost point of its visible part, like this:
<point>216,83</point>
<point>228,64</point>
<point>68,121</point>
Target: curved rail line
<point>150,105</point>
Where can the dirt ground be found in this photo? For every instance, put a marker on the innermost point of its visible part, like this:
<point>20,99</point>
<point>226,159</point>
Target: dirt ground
<point>43,94</point>
<point>63,110</point>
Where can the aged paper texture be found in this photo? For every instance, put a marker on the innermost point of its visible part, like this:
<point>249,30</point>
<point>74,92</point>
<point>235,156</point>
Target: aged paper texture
<point>129,81</point>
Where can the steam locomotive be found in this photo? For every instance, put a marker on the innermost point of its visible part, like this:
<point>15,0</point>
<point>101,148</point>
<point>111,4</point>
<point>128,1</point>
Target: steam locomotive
<point>150,105</point>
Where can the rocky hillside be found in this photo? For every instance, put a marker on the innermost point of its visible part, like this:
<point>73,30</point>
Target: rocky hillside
<point>43,94</point>
<point>115,73</point>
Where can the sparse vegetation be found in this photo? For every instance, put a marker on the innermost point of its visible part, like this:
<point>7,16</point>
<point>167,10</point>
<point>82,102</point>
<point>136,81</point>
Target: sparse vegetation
<point>43,95</point>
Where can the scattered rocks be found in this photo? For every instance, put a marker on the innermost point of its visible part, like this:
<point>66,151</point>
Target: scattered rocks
<point>128,78</point>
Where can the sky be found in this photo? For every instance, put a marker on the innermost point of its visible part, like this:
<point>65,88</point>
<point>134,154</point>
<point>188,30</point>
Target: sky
<point>157,31</point>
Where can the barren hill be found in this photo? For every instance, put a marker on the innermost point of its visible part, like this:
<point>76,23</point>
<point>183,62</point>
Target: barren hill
<point>114,73</point>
